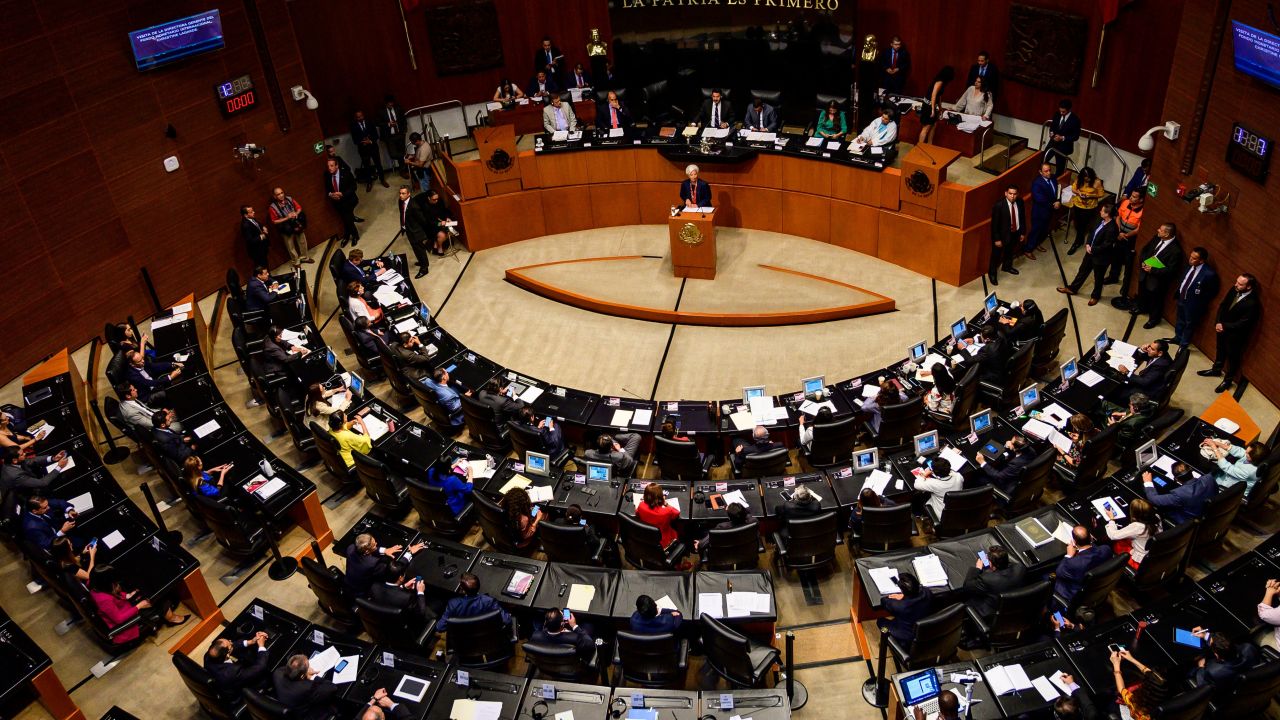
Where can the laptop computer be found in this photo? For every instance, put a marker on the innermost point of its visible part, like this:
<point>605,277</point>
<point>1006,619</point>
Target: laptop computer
<point>921,690</point>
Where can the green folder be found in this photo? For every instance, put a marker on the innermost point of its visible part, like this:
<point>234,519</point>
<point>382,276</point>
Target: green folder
<point>1154,262</point>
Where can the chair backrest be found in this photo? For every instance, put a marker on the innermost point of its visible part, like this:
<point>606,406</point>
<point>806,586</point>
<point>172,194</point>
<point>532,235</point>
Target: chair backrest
<point>886,528</point>
<point>728,652</point>
<point>376,478</point>
<point>735,548</point>
<point>964,511</point>
<point>386,624</point>
<point>111,408</point>
<point>493,523</point>
<point>765,464</point>
<point>900,422</point>
<point>937,638</point>
<point>1268,480</point>
<point>1190,705</point>
<point>821,100</point>
<point>1026,494</point>
<point>1168,553</point>
<point>1015,373</point>
<point>479,641</point>
<point>811,541</point>
<point>648,660</point>
<point>433,510</point>
<point>1019,613</point>
<point>556,661</point>
<point>770,97</point>
<point>1154,429</point>
<point>395,376</point>
<point>642,543</point>
<point>524,438</point>
<point>330,589</point>
<point>1049,344</point>
<point>724,93</point>
<point>327,446</point>
<point>118,369</point>
<point>678,459</point>
<point>565,543</point>
<point>234,530</point>
<point>833,442</point>
<point>483,426</point>
<point>1094,456</point>
<point>1219,512</point>
<point>335,271</point>
<point>1252,693</point>
<point>201,684</point>
<point>261,707</point>
<point>1100,581</point>
<point>966,396</point>
<point>294,418</point>
<point>426,398</point>
<point>1173,379</point>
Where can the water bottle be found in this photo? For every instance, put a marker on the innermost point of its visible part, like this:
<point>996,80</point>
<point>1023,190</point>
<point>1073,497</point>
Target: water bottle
<point>266,468</point>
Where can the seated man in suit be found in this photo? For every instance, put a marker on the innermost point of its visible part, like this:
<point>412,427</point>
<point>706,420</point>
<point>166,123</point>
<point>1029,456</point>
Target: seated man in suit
<point>1186,501</point>
<point>694,192</point>
<point>382,707</point>
<point>353,270</point>
<point>881,132</point>
<point>1006,471</point>
<point>1082,556</point>
<point>1151,366</point>
<point>470,604</point>
<point>46,519</point>
<point>910,605</point>
<point>992,358</point>
<point>1131,420</point>
<point>301,689</point>
<point>548,430</point>
<point>169,442</point>
<point>558,116</point>
<point>983,584</point>
<point>138,414</point>
<point>369,340</point>
<point>619,452</point>
<point>232,667</point>
<point>560,627</point>
<point>716,112</point>
<point>1225,661</point>
<point>411,355</point>
<point>367,563</point>
<point>649,620</point>
<point>612,114</point>
<point>31,473</point>
<point>761,116</point>
<point>497,394</point>
<point>446,395</point>
<point>260,290</point>
<point>760,443</point>
<point>150,378</point>
<point>276,351</point>
<point>801,505</point>
<point>542,86</point>
<point>401,591</point>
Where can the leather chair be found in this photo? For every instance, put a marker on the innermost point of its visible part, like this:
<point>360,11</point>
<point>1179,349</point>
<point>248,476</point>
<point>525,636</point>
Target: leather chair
<point>966,398</point>
<point>735,657</point>
<point>433,510</point>
<point>293,415</point>
<point>643,545</point>
<point>525,438</point>
<point>736,548</point>
<point>885,529</point>
<point>215,704</point>
<point>807,543</point>
<point>1004,394</point>
<point>765,464</point>
<point>1098,584</point>
<point>570,544</point>
<point>1173,379</point>
<point>725,93</point>
<point>1094,456</point>
<point>832,443</point>
<point>963,511</point>
<point>439,417</point>
<point>241,535</point>
<point>328,448</point>
<point>1019,614</point>
<point>484,428</point>
<point>899,423</point>
<point>679,460</point>
<point>370,363</point>
<point>563,662</point>
<point>1190,705</point>
<point>937,638</point>
<point>329,586</point>
<point>1044,359</point>
<point>1218,514</point>
<point>493,523</point>
<point>821,100</point>
<point>646,660</point>
<point>118,369</point>
<point>78,595</point>
<point>261,707</point>
<point>381,485</point>
<point>770,97</point>
<point>481,641</point>
<point>395,626</point>
<point>1268,480</point>
<point>395,376</point>
<point>1026,494</point>
<point>1251,695</point>
<point>657,108</point>
<point>1168,554</point>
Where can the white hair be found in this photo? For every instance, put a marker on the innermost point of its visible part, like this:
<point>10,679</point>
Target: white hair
<point>691,170</point>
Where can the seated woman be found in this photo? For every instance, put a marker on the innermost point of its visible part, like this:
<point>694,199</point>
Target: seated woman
<point>320,407</point>
<point>117,607</point>
<point>1132,538</point>
<point>654,510</point>
<point>1142,698</point>
<point>507,92</point>
<point>823,416</point>
<point>73,566</point>
<point>1023,322</point>
<point>668,431</point>
<point>889,395</point>
<point>457,483</point>
<point>831,124</point>
<point>942,396</point>
<point>361,305</point>
<point>522,516</point>
<point>1243,466</point>
<point>10,437</point>
<point>1081,430</point>
<point>201,482</point>
<point>976,100</point>
<point>736,515</point>
<point>881,132</point>
<point>866,499</point>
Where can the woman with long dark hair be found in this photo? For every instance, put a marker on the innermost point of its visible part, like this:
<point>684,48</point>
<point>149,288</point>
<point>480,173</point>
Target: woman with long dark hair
<point>942,396</point>
<point>522,516</point>
<point>1086,192</point>
<point>116,607</point>
<point>933,104</point>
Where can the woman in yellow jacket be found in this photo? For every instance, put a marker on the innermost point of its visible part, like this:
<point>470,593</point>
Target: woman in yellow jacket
<point>1086,192</point>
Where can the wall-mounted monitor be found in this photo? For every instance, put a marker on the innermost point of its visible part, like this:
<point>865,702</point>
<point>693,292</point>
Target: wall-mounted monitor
<point>1257,53</point>
<point>177,39</point>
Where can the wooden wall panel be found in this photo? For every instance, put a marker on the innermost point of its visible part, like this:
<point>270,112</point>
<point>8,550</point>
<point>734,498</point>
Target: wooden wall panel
<point>652,167</point>
<point>922,246</point>
<point>855,227</point>
<point>565,209</point>
<point>655,200</point>
<point>555,170</point>
<point>506,218</point>
<point>757,208</point>
<point>807,176</point>
<point>612,166</point>
<point>613,204</point>
<point>856,185</point>
<point>806,215</point>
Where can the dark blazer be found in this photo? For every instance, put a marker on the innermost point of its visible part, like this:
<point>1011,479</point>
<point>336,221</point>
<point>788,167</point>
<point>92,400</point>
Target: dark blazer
<point>1152,380</point>
<point>274,359</point>
<point>663,622</point>
<point>371,131</point>
<point>1042,198</point>
<point>532,87</point>
<point>159,379</point>
<point>346,186</point>
<point>540,61</point>
<point>1000,226</point>
<point>792,510</point>
<point>170,444</point>
<point>906,613</point>
<point>414,364</point>
<point>465,607</point>
<point>904,63</point>
<point>1005,475</point>
<point>1225,674</point>
<point>1238,321</point>
<point>726,112</point>
<point>983,586</point>
<point>991,81</point>
<point>571,79</point>
<point>384,122</point>
<point>1185,502</point>
<point>504,408</point>
<point>602,115</point>
<point>1071,570</point>
<point>418,223</point>
<point>577,639</point>
<point>1195,298</point>
<point>41,530</point>
<point>702,199</point>
<point>254,232</point>
<point>310,699</point>
<point>766,117</point>
<point>257,297</point>
<point>368,342</point>
<point>1104,242</point>
<point>399,597</point>
<point>250,667</point>
<point>350,272</point>
<point>751,447</point>
<point>1157,279</point>
<point>365,570</point>
<point>1068,128</point>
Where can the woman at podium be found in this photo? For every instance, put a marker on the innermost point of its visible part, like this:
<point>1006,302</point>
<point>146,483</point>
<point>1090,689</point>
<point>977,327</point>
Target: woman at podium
<point>694,193</point>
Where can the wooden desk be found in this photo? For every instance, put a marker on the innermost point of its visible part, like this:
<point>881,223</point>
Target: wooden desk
<point>53,696</point>
<point>693,245</point>
<point>194,592</point>
<point>1225,406</point>
<point>945,135</point>
<point>527,119</point>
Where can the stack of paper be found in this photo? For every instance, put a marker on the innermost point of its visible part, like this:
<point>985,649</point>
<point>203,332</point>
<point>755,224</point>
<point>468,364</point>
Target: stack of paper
<point>519,481</point>
<point>886,579</point>
<point>1004,679</point>
<point>387,296</point>
<point>540,493</point>
<point>742,604</point>
<point>878,481</point>
<point>531,393</point>
<point>349,672</point>
<point>715,132</point>
<point>1036,428</point>
<point>323,661</point>
<point>742,420</point>
<point>711,604</point>
<point>929,570</point>
<point>1122,349</point>
<point>271,487</point>
<point>480,469</point>
<point>953,456</point>
<point>689,131</point>
<point>475,710</point>
<point>407,325</point>
<point>294,337</point>
<point>82,503</point>
<point>1090,378</point>
<point>809,407</point>
<point>870,390</point>
<point>621,418</point>
<point>560,136</point>
<point>616,132</point>
<point>580,597</point>
<point>390,277</point>
<point>1056,415</point>
<point>494,106</point>
<point>210,427</point>
<point>113,538</point>
<point>813,142</point>
<point>642,417</point>
<point>762,410</point>
<point>756,136</point>
<point>376,427</point>
<point>664,603</point>
<point>735,497</point>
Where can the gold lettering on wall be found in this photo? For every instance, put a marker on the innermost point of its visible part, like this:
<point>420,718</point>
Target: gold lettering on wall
<point>827,5</point>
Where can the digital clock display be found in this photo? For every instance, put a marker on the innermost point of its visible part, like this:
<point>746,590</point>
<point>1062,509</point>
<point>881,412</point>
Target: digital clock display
<point>1248,152</point>
<point>236,95</point>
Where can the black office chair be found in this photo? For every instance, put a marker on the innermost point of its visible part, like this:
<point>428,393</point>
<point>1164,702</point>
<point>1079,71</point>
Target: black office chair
<point>292,412</point>
<point>118,369</point>
<point>646,660</point>
<point>1251,695</point>
<point>765,464</point>
<point>1268,481</point>
<point>1004,394</point>
<point>966,397</point>
<point>562,662</point>
<point>329,586</point>
<point>570,544</point>
<point>78,595</point>
<point>1189,705</point>
<point>1094,456</point>
<point>493,524</point>
<point>724,93</point>
<point>769,97</point>
<point>395,626</point>
<point>935,643</point>
<point>525,438</point>
<point>261,707</point>
<point>1044,359</point>
<point>735,548</point>
<point>679,460</point>
<point>215,704</point>
<point>395,376</point>
<point>1157,427</point>
<point>1019,615</point>
<point>329,450</point>
<point>899,423</point>
<point>821,100</point>
<point>481,641</point>
<point>832,443</point>
<point>484,428</point>
<point>884,529</point>
<point>1097,586</point>
<point>370,362</point>
<point>657,108</point>
<point>382,486</point>
<point>807,543</point>
<point>1172,381</point>
<point>963,511</point>
<point>240,534</point>
<point>735,657</point>
<point>434,511</point>
<point>1168,553</point>
<point>1216,518</point>
<point>643,545</point>
<point>439,417</point>
<point>1026,493</point>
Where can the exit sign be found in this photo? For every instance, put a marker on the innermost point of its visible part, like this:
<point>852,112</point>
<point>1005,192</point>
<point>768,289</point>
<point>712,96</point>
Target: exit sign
<point>318,147</point>
<point>1152,189</point>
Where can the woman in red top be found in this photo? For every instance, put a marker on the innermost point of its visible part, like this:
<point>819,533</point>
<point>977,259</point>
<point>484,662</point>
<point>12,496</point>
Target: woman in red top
<point>669,432</point>
<point>654,510</point>
<point>116,607</point>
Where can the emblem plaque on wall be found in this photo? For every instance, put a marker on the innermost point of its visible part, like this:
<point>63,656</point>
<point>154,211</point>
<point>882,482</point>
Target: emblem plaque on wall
<point>1046,48</point>
<point>464,36</point>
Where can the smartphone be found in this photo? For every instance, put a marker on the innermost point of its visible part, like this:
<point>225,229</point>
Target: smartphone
<point>1107,506</point>
<point>582,522</point>
<point>535,511</point>
<point>982,555</point>
<point>1115,647</point>
<point>567,613</point>
<point>342,665</point>
<point>1158,481</point>
<point>93,542</point>
<point>1058,616</point>
<point>418,579</point>
<point>549,421</point>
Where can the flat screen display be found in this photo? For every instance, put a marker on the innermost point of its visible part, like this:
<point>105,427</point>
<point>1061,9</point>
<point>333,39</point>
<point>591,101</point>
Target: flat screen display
<point>1257,53</point>
<point>177,39</point>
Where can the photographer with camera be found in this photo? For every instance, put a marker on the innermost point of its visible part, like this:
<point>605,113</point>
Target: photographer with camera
<point>289,219</point>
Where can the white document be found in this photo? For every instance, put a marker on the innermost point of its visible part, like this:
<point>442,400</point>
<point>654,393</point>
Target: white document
<point>560,136</point>
<point>580,597</point>
<point>1164,463</point>
<point>113,538</point>
<point>833,145</point>
<point>387,296</point>
<point>348,673</point>
<point>71,463</point>
<point>711,604</point>
<point>1056,679</point>
<point>82,503</point>
<point>674,502</point>
<point>1045,688</point>
<point>706,210</point>
<point>1115,507</point>
<point>323,661</point>
<point>531,393</point>
<point>1062,533</point>
<point>1067,195</point>
<point>208,428</point>
<point>519,481</point>
<point>407,325</point>
<point>1018,677</point>
<point>273,486</point>
<point>664,603</point>
<point>566,715</point>
<point>621,418</point>
<point>742,420</point>
<point>390,277</point>
<point>182,309</point>
<point>480,469</point>
<point>878,481</point>
<point>998,680</point>
<point>293,337</point>
<point>741,604</point>
<point>1120,348</point>
<point>813,142</point>
<point>475,710</point>
<point>689,131</point>
<point>1037,428</point>
<point>1061,442</point>
<point>877,150</point>
<point>375,426</point>
<point>735,497</point>
<point>929,570</point>
<point>575,136</point>
<point>870,390</point>
<point>1057,415</point>
<point>642,417</point>
<point>765,137</point>
<point>761,406</point>
<point>934,359</point>
<point>780,413</point>
<point>1090,378</point>
<point>494,106</point>
<point>540,493</point>
<point>954,457</point>
<point>809,407</point>
<point>716,133</point>
<point>616,132</point>
<point>886,579</point>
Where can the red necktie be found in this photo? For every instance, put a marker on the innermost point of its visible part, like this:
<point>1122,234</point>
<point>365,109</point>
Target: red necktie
<point>613,116</point>
<point>335,182</point>
<point>893,58</point>
<point>1013,217</point>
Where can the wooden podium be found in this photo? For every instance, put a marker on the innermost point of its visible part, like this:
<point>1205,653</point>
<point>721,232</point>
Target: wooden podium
<point>693,245</point>
<point>924,169</point>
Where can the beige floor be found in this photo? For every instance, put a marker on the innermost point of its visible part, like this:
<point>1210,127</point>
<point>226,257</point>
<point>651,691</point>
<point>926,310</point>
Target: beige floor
<point>601,354</point>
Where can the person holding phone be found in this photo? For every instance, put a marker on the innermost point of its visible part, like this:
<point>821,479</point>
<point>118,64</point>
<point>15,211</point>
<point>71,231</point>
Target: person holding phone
<point>548,430</point>
<point>1224,662</point>
<point>1082,556</point>
<point>984,583</point>
<point>522,517</point>
<point>1185,502</point>
<point>1132,538</point>
<point>560,627</point>
<point>1145,696</point>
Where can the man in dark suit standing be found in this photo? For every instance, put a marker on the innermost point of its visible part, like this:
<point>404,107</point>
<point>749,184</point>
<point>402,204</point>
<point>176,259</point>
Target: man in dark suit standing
<point>1197,286</point>
<point>1097,254</point>
<point>548,59</point>
<point>986,70</point>
<point>391,129</point>
<point>254,234</point>
<point>1064,130</point>
<point>1044,200</point>
<point>761,116</point>
<point>1008,227</point>
<point>895,64</point>
<point>231,666</point>
<point>716,112</point>
<point>1154,278</point>
<point>365,134</point>
<point>1237,315</point>
<point>413,223</point>
<point>612,114</point>
<point>340,186</point>
<point>984,583</point>
<point>304,691</point>
<point>694,192</point>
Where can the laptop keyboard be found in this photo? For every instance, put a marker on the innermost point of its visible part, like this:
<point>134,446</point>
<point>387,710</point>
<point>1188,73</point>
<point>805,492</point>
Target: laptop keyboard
<point>930,708</point>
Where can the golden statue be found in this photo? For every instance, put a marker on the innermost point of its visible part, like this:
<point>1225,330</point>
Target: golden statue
<point>596,46</point>
<point>869,48</point>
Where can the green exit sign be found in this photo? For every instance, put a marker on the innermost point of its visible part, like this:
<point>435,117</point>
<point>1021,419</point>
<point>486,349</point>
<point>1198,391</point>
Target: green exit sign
<point>318,147</point>
<point>1152,189</point>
